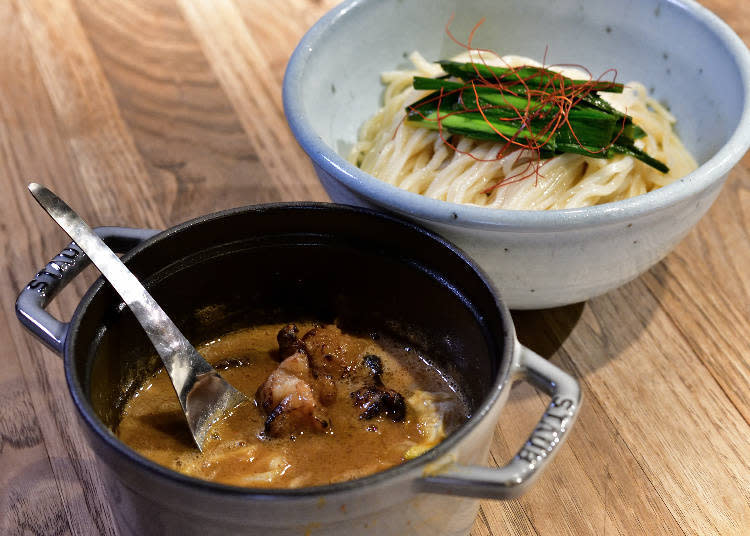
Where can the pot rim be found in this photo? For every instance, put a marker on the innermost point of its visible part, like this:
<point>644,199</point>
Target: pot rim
<point>103,433</point>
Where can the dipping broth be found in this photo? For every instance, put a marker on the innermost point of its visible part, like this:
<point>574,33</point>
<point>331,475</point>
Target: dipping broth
<point>326,407</point>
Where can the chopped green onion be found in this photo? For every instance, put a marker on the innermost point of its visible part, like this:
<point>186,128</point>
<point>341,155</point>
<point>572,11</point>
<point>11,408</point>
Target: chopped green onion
<point>490,103</point>
<point>532,76</point>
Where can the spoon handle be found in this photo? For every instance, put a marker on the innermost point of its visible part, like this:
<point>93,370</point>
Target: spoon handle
<point>194,379</point>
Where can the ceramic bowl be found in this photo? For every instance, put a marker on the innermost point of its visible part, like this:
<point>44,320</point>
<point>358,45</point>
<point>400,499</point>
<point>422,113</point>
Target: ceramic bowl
<point>682,52</point>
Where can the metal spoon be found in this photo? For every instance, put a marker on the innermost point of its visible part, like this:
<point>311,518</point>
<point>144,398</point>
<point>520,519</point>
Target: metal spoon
<point>204,395</point>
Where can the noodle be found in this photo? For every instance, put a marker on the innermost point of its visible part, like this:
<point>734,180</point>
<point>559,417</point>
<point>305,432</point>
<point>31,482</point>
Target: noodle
<point>416,159</point>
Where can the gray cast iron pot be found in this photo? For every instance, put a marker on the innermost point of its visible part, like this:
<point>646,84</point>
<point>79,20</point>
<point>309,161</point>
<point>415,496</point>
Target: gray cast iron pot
<point>287,262</point>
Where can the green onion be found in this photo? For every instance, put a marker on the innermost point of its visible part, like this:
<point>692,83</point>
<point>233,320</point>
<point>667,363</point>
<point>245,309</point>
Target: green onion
<point>532,76</point>
<point>548,112</point>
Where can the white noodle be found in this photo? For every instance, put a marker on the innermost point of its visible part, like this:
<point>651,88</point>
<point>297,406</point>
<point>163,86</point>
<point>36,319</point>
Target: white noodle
<point>417,160</point>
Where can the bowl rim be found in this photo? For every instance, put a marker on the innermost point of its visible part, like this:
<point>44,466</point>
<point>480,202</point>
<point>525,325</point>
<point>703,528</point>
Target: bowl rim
<point>411,204</point>
<point>506,355</point>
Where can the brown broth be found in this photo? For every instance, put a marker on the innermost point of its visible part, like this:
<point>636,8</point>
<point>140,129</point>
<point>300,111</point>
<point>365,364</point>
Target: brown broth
<point>238,453</point>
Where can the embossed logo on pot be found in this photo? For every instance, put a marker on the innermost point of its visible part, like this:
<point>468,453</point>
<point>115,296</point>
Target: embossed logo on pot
<point>547,433</point>
<point>55,269</point>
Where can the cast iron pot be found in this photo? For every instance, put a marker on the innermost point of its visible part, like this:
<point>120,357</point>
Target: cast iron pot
<point>287,262</point>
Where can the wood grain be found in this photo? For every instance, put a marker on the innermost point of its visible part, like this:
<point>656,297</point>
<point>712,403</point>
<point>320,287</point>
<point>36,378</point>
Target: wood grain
<point>245,75</point>
<point>185,128</point>
<point>57,472</point>
<point>147,113</point>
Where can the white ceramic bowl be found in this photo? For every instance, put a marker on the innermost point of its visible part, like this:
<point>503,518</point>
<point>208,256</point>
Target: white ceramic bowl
<point>688,56</point>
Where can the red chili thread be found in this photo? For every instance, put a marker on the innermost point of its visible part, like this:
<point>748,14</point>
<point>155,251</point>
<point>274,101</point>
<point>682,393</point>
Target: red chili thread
<point>555,98</point>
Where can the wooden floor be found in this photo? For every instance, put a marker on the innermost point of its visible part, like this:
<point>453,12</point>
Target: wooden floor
<point>146,113</point>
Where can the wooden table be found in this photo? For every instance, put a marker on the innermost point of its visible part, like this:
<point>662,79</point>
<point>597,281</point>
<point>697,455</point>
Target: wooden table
<point>147,113</point>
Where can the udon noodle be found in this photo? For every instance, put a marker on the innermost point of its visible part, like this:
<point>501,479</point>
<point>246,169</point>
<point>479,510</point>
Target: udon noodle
<point>418,160</point>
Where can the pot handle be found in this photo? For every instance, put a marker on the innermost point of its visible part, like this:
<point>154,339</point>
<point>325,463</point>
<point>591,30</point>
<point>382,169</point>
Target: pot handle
<point>61,270</point>
<point>548,435</point>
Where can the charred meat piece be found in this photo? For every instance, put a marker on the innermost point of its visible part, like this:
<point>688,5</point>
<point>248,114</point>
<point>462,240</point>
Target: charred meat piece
<point>289,399</point>
<point>297,412</point>
<point>325,388</point>
<point>331,353</point>
<point>374,367</point>
<point>283,381</point>
<point>377,399</point>
<point>288,341</point>
<point>296,394</point>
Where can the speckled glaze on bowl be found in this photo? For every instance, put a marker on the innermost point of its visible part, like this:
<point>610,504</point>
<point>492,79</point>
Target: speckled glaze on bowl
<point>680,50</point>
